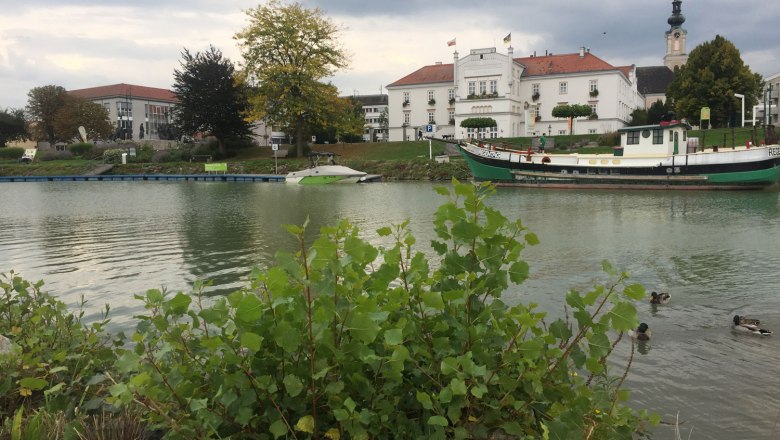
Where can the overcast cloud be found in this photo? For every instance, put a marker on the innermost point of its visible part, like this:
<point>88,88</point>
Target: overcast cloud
<point>87,43</point>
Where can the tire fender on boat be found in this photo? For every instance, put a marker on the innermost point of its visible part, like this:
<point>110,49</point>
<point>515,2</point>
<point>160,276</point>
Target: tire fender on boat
<point>546,159</point>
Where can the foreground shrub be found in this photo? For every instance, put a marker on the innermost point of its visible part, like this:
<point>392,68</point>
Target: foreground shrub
<point>54,155</point>
<point>57,362</point>
<point>113,155</point>
<point>347,340</point>
<point>80,148</point>
<point>11,152</point>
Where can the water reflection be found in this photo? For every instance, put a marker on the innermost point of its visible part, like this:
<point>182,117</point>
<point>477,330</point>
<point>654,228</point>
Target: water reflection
<point>716,253</point>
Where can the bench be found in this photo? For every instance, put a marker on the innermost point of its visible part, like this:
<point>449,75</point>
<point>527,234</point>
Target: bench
<point>201,158</point>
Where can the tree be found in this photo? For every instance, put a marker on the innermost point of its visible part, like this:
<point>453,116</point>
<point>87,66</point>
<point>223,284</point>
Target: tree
<point>212,98</point>
<point>77,112</point>
<point>288,50</point>
<point>571,111</point>
<point>712,75</point>
<point>12,126</point>
<point>42,106</point>
<point>478,123</point>
<point>653,115</point>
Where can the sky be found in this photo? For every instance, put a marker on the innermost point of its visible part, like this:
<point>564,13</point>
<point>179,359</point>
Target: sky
<point>87,43</point>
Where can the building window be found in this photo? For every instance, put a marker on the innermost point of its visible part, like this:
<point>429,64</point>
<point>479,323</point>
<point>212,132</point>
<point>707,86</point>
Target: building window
<point>658,137</point>
<point>406,96</point>
<point>451,94</point>
<point>594,85</point>
<point>431,119</point>
<point>482,87</point>
<point>157,115</point>
<point>451,115</point>
<point>593,109</point>
<point>563,88</point>
<point>591,131</point>
<point>472,88</point>
<point>535,88</point>
<point>561,131</point>
<point>632,138</point>
<point>124,109</point>
<point>493,86</point>
<point>406,118</point>
<point>431,95</point>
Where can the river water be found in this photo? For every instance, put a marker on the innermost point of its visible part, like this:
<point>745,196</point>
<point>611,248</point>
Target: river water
<point>715,252</point>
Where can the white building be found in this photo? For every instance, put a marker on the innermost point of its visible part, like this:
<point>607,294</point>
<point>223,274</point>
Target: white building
<point>518,93</point>
<point>135,109</point>
<point>376,115</point>
<point>765,112</point>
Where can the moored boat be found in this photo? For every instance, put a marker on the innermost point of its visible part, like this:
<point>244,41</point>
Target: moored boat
<point>318,174</point>
<point>649,157</point>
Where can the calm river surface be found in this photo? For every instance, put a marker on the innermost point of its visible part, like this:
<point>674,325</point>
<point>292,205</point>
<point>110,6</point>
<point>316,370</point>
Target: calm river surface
<point>716,252</point>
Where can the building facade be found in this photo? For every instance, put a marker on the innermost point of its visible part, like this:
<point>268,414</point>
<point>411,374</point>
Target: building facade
<point>766,111</point>
<point>518,93</point>
<point>376,114</point>
<point>138,112</point>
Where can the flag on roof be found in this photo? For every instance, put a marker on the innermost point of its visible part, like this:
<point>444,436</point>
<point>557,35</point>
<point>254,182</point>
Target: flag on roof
<point>451,42</point>
<point>508,38</point>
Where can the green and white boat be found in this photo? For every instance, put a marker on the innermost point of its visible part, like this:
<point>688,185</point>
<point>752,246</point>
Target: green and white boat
<point>650,157</point>
<point>318,174</point>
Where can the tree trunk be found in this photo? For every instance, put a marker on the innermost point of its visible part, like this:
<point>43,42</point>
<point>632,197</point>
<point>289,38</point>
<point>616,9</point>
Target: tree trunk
<point>222,148</point>
<point>299,135</point>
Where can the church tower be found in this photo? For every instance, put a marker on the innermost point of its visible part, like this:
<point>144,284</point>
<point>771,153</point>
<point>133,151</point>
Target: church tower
<point>675,38</point>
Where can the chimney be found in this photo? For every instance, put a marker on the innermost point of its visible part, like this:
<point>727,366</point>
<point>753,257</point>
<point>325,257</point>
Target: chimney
<point>582,51</point>
<point>438,63</point>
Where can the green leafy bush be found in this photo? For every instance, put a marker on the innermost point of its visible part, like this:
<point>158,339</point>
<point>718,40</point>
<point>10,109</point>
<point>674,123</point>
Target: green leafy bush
<point>11,152</point>
<point>611,139</point>
<point>143,154</point>
<point>54,155</point>
<point>347,340</point>
<point>57,362</point>
<point>80,148</point>
<point>113,155</point>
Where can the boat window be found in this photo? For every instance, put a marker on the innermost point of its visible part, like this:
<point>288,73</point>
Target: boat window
<point>632,138</point>
<point>658,136</point>
<point>645,133</point>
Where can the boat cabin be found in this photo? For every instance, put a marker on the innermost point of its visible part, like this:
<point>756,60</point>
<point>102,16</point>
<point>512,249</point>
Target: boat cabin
<point>665,139</point>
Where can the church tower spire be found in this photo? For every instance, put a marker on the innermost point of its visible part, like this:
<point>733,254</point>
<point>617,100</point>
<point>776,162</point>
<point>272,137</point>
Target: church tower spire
<point>675,38</point>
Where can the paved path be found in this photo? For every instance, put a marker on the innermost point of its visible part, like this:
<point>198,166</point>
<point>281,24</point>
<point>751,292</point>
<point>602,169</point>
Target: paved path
<point>100,169</point>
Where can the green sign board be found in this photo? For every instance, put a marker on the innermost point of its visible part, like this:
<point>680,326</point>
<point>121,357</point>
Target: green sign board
<point>705,114</point>
<point>216,167</point>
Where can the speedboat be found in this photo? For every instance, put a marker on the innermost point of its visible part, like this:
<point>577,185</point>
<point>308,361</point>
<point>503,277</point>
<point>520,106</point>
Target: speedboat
<point>318,174</point>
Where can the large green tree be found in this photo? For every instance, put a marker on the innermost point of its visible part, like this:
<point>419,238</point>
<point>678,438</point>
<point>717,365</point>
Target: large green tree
<point>212,98</point>
<point>712,75</point>
<point>42,106</point>
<point>288,50</point>
<point>77,112</point>
<point>12,126</point>
<point>342,121</point>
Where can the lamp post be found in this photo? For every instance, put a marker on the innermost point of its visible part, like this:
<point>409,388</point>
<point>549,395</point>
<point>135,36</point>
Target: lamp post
<point>549,130</point>
<point>742,97</point>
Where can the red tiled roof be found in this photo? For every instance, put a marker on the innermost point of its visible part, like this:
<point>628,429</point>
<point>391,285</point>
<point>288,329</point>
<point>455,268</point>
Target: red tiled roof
<point>560,64</point>
<point>436,73</point>
<point>535,66</point>
<point>114,90</point>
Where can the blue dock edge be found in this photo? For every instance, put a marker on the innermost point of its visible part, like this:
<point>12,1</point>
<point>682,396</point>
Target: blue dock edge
<point>150,177</point>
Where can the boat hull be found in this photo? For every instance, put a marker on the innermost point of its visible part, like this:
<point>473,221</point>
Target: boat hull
<point>755,168</point>
<point>325,174</point>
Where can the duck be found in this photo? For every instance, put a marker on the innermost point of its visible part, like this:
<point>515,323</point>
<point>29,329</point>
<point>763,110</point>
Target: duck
<point>660,298</point>
<point>747,325</point>
<point>642,333</point>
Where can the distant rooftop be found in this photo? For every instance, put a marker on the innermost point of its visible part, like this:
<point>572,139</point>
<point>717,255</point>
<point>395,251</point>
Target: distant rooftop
<point>534,66</point>
<point>126,90</point>
<point>371,99</point>
<point>653,80</point>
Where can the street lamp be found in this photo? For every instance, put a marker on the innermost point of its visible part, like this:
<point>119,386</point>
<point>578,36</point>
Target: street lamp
<point>742,97</point>
<point>549,130</point>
